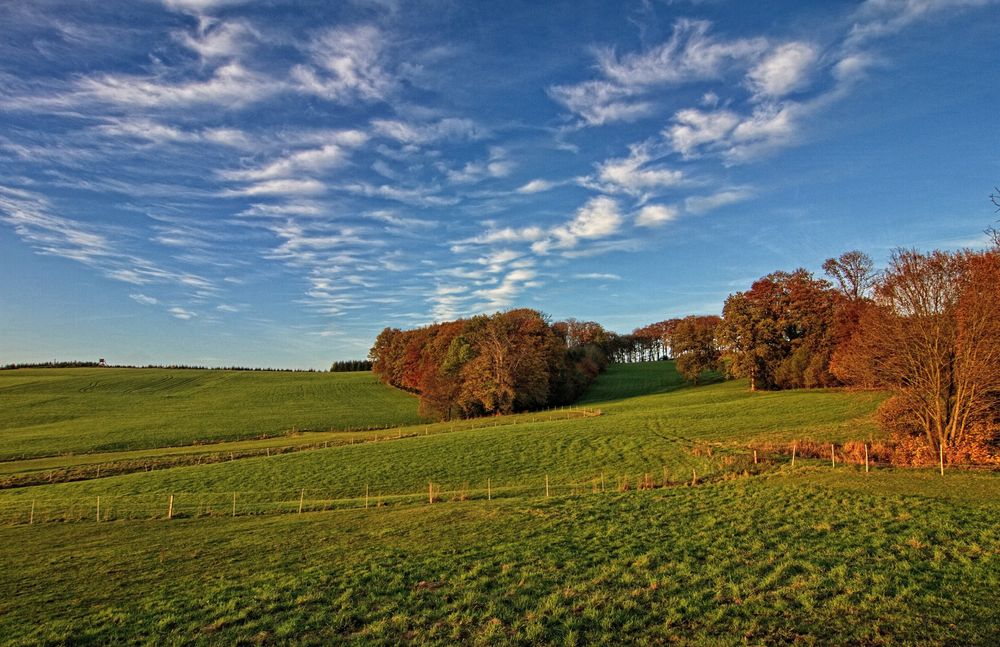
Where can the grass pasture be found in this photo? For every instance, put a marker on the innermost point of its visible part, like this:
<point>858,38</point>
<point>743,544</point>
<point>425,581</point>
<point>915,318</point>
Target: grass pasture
<point>48,412</point>
<point>760,554</point>
<point>759,561</point>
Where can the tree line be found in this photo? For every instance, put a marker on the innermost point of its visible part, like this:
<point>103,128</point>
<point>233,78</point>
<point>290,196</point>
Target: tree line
<point>490,364</point>
<point>347,366</point>
<point>186,367</point>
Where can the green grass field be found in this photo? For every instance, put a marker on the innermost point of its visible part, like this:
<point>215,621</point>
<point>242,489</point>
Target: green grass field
<point>751,555</point>
<point>45,412</point>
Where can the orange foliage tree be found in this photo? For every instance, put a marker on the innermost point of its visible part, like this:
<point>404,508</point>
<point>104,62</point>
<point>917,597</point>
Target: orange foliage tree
<point>932,336</point>
<point>779,333</point>
<point>500,363</point>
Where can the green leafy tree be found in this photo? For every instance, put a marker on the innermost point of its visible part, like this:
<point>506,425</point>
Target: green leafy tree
<point>695,347</point>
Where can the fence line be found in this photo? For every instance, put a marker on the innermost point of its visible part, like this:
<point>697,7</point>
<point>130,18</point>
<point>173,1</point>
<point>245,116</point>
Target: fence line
<point>114,467</point>
<point>229,503</point>
<point>251,503</point>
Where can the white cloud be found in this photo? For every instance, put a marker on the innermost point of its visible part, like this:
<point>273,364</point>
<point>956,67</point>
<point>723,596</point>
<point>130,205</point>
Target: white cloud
<point>423,133</point>
<point>852,67</point>
<point>141,128</point>
<point>419,196</point>
<point>30,216</point>
<point>633,176</point>
<point>200,6</point>
<point>294,208</point>
<point>702,204</point>
<point>215,39</point>
<point>597,276</point>
<point>228,137</point>
<point>181,313</point>
<point>783,70</point>
<point>875,18</point>
<point>496,260</point>
<point>739,138</point>
<point>402,222</point>
<point>600,102</point>
<point>146,129</point>
<point>279,187</point>
<point>691,54</point>
<point>506,235</point>
<point>693,128</point>
<point>768,127</point>
<point>598,218</point>
<point>654,215</point>
<point>447,301</point>
<point>536,186</point>
<point>144,299</point>
<point>496,166</point>
<point>504,294</point>
<point>230,86</point>
<point>327,156</point>
<point>52,235</point>
<point>348,65</point>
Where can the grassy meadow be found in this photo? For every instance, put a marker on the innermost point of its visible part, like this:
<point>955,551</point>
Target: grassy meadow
<point>753,554</point>
<point>46,412</point>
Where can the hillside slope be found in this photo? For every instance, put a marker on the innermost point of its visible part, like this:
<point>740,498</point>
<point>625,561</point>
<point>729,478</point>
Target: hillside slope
<point>45,412</point>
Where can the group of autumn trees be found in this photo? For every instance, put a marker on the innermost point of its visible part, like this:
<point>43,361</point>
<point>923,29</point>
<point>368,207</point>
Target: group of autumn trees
<point>489,364</point>
<point>927,329</point>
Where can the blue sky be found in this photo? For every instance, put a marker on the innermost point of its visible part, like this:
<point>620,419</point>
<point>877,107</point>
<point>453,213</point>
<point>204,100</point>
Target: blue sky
<point>224,182</point>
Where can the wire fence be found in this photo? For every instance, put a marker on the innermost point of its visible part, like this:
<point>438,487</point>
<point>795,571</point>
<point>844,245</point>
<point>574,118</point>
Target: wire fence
<point>722,466</point>
<point>207,454</point>
<point>207,504</point>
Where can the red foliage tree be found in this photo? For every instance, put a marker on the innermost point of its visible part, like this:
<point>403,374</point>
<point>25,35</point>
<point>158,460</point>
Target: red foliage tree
<point>932,338</point>
<point>779,333</point>
<point>500,363</point>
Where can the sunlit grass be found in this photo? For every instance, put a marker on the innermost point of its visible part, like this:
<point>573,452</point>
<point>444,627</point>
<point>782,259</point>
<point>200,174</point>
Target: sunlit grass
<point>756,560</point>
<point>753,554</point>
<point>45,412</point>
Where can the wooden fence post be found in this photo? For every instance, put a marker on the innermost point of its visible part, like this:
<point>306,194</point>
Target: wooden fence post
<point>794,447</point>
<point>489,490</point>
<point>755,457</point>
<point>234,504</point>
<point>302,498</point>
<point>694,477</point>
<point>941,453</point>
<point>366,496</point>
<point>833,456</point>
<point>31,517</point>
<point>546,486</point>
<point>170,507</point>
<point>98,509</point>
<point>866,458</point>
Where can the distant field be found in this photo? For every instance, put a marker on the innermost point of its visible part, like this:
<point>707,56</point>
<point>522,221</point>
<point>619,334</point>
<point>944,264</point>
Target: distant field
<point>758,554</point>
<point>45,412</point>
